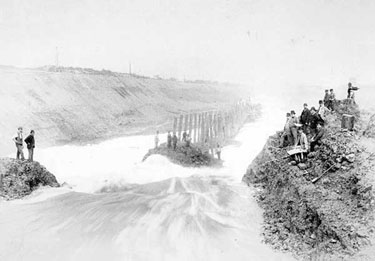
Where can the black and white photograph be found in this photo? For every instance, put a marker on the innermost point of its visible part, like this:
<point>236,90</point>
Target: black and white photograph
<point>187,130</point>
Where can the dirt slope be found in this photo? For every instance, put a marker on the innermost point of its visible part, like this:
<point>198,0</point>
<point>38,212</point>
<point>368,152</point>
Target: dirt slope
<point>330,219</point>
<point>82,105</point>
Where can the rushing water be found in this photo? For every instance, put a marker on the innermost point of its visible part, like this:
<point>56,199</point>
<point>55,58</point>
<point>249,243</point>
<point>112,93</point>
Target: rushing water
<point>152,210</point>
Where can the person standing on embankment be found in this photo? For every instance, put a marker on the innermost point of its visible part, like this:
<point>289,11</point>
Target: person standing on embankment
<point>286,135</point>
<point>156,139</point>
<point>18,141</point>
<point>305,116</point>
<point>30,142</point>
<point>292,125</point>
<point>174,140</point>
<point>169,140</point>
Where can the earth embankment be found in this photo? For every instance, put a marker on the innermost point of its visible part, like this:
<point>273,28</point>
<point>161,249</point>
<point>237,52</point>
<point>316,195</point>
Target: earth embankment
<point>80,106</point>
<point>321,209</point>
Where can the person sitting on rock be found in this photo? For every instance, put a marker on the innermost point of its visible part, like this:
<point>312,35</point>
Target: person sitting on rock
<point>303,144</point>
<point>174,140</point>
<point>169,140</point>
<point>316,139</point>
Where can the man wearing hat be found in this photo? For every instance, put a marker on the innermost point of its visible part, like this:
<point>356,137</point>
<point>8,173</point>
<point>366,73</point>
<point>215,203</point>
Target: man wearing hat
<point>293,125</point>
<point>326,98</point>
<point>305,116</point>
<point>287,135</point>
<point>316,139</point>
<point>314,120</point>
<point>332,100</point>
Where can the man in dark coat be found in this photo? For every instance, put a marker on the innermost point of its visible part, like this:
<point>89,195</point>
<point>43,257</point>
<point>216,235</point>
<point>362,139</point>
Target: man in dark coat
<point>332,100</point>
<point>326,98</point>
<point>169,140</point>
<point>314,120</point>
<point>351,90</point>
<point>30,142</point>
<point>305,117</point>
<point>316,140</point>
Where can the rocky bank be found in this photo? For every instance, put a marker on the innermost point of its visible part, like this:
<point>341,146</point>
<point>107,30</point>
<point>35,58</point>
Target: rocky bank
<point>193,156</point>
<point>18,178</point>
<point>330,219</point>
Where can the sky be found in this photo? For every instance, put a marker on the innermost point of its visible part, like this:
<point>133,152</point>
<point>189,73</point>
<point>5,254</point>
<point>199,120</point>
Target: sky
<point>258,42</point>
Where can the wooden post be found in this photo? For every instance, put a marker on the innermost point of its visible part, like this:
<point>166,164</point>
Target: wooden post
<point>210,132</point>
<point>223,124</point>
<point>174,125</point>
<point>186,126</point>
<point>195,128</point>
<point>190,125</point>
<point>200,127</point>
<point>180,127</point>
<point>204,127</point>
<point>219,129</point>
<point>216,129</point>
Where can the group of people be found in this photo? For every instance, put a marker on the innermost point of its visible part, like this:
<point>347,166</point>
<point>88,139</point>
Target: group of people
<point>171,140</point>
<point>310,123</point>
<point>30,142</point>
<point>186,139</point>
<point>329,99</point>
<point>307,130</point>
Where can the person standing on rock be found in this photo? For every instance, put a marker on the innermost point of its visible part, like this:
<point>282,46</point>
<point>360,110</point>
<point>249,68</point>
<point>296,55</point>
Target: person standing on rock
<point>332,100</point>
<point>293,125</point>
<point>18,140</point>
<point>305,116</point>
<point>218,151</point>
<point>184,135</point>
<point>187,140</point>
<point>156,139</point>
<point>314,120</point>
<point>287,135</point>
<point>169,140</point>
<point>322,111</point>
<point>326,98</point>
<point>30,142</point>
<point>174,141</point>
<point>351,90</point>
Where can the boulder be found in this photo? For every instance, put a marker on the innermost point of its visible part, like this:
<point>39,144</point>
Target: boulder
<point>20,178</point>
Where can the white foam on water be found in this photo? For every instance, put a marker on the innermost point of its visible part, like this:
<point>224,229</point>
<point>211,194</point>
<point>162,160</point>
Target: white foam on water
<point>168,212</point>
